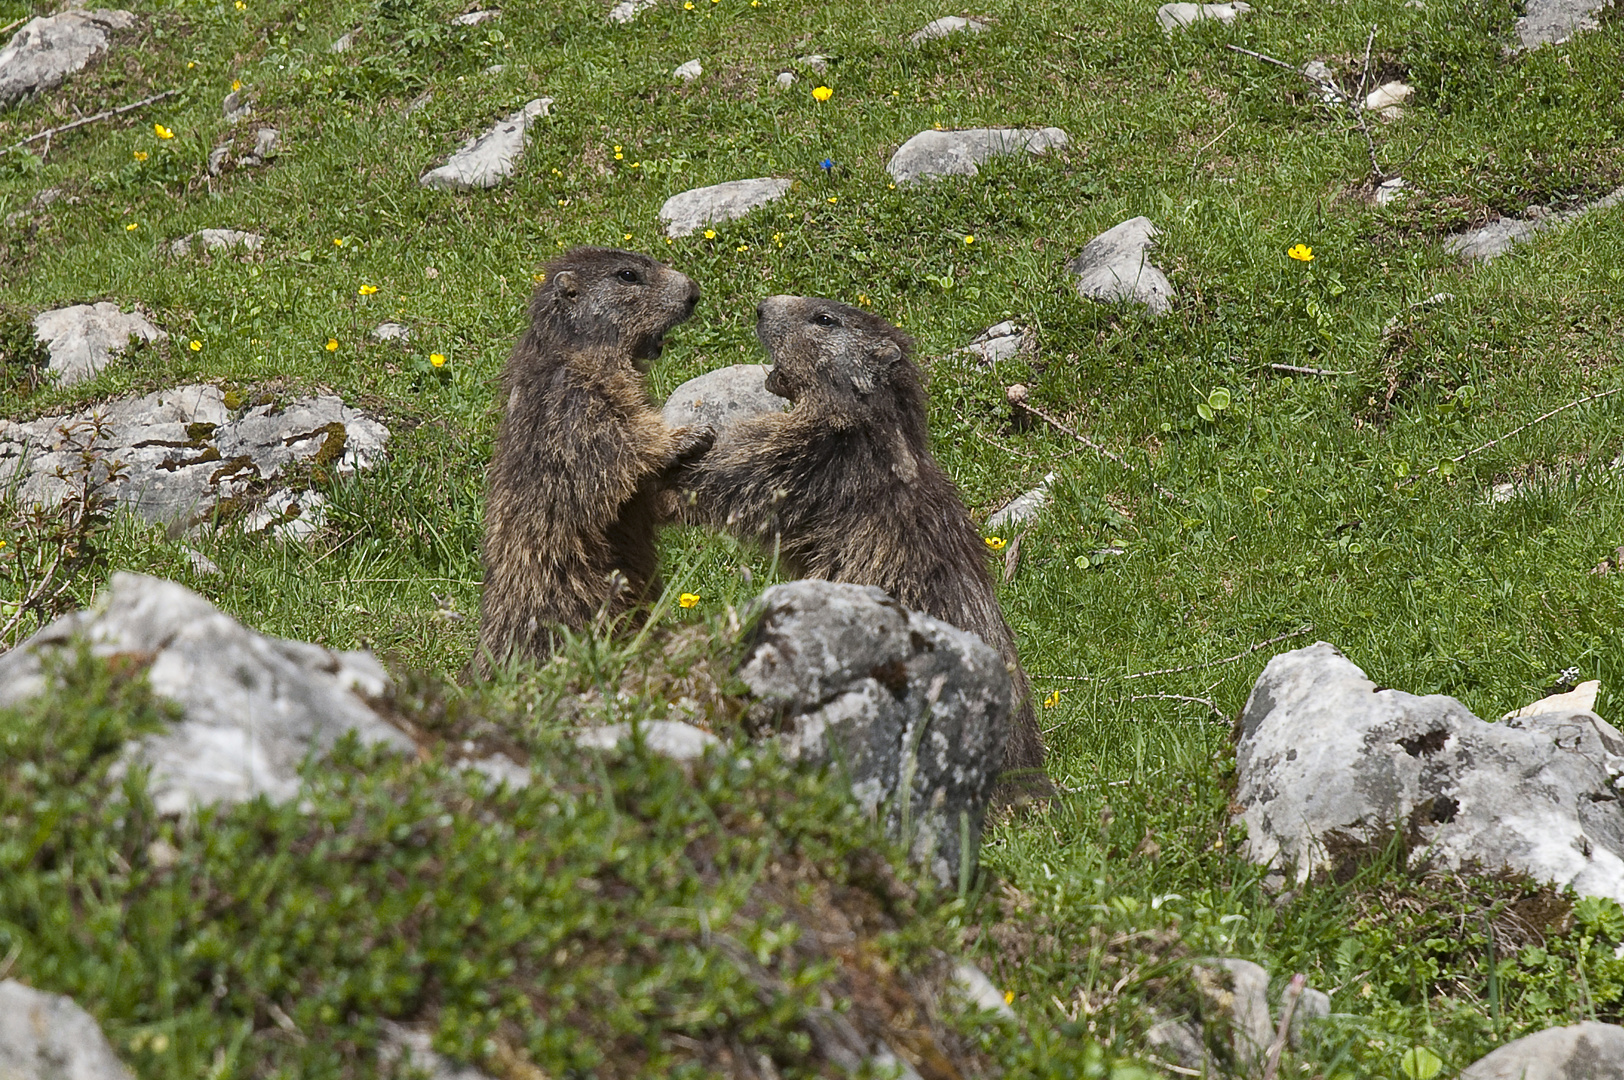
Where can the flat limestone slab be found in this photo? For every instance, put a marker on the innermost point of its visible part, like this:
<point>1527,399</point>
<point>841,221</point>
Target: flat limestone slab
<point>81,339</point>
<point>216,240</point>
<point>947,24</point>
<point>486,160</point>
<point>1178,16</point>
<point>931,155</point>
<point>1592,1050</point>
<point>689,211</point>
<point>47,50</point>
<point>1551,22</point>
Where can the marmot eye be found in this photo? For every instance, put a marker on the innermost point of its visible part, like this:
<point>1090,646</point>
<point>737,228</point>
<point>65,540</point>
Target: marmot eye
<point>629,277</point>
<point>823,318</point>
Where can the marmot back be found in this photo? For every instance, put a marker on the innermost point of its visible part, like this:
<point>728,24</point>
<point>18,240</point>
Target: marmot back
<point>581,453</point>
<point>845,488</point>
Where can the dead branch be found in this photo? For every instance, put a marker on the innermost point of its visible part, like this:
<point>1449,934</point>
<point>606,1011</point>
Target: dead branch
<point>1288,1004</point>
<point>1293,369</point>
<point>1243,654</point>
<point>1458,458</point>
<point>1098,449</point>
<point>50,133</point>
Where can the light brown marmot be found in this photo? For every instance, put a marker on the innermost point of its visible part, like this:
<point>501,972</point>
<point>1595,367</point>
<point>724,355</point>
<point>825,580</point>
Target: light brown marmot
<point>844,487</point>
<point>581,454</point>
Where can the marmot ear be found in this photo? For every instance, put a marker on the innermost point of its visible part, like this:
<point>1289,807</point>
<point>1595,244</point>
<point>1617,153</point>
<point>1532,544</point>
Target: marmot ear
<point>564,284</point>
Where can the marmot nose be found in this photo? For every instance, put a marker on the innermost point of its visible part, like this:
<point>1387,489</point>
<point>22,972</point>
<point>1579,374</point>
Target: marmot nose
<point>693,296</point>
<point>761,311</point>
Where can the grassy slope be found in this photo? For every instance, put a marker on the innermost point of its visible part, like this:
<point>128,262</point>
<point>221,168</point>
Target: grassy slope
<point>1294,516</point>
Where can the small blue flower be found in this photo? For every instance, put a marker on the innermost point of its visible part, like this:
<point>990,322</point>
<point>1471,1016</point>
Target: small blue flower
<point>826,164</point>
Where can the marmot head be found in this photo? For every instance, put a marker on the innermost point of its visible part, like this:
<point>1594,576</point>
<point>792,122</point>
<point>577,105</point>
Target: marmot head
<point>608,297</point>
<point>829,351</point>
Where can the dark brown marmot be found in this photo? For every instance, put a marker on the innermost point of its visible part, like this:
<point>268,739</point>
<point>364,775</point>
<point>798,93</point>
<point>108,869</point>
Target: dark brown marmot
<point>845,488</point>
<point>581,454</point>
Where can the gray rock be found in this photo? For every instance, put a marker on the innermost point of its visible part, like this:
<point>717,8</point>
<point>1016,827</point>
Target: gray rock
<point>668,738</point>
<point>1497,237</point>
<point>253,707</point>
<point>1320,74</point>
<point>401,1047</point>
<point>1392,190</point>
<point>40,201</point>
<point>948,24</point>
<point>979,991</point>
<point>722,397</point>
<point>1241,997</point>
<point>1325,759</point>
<point>392,331</point>
<point>1312,1005</point>
<point>785,79</point>
<point>689,71</point>
<point>289,516</point>
<point>47,1037</point>
<point>999,342</point>
<point>1115,266</point>
<point>81,339</point>
<point>689,211</point>
<point>474,18</point>
<point>628,10</point>
<point>342,43</point>
<point>915,712</point>
<point>202,565</point>
<point>236,106</point>
<point>1386,100</point>
<point>816,62</point>
<point>1179,1042</point>
<point>265,140</point>
<point>1022,508</point>
<point>931,155</point>
<point>184,451</point>
<point>1588,1051</point>
<point>1177,16</point>
<point>218,158</point>
<point>216,240</point>
<point>486,160</point>
<point>49,49</point>
<point>1551,22</point>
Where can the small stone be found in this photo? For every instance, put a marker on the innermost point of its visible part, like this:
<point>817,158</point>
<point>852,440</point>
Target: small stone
<point>342,43</point>
<point>690,211</point>
<point>218,157</point>
<point>1017,394</point>
<point>1116,267</point>
<point>931,155</point>
<point>979,991</point>
<point>392,331</point>
<point>216,240</point>
<point>628,10</point>
<point>1022,508</point>
<point>81,339</point>
<point>417,103</point>
<point>1312,1006</point>
<point>1390,191</point>
<point>1386,99</point>
<point>496,69</point>
<point>1180,1043</point>
<point>202,565</point>
<point>403,1051</point>
<point>718,399</point>
<point>668,738</point>
<point>39,202</point>
<point>1245,1001</point>
<point>49,49</point>
<point>1320,74</point>
<point>1581,698</point>
<point>1177,16</point>
<point>501,769</point>
<point>1590,1050</point>
<point>488,159</point>
<point>689,72</point>
<point>1551,22</point>
<point>47,1037</point>
<point>236,106</point>
<point>474,18</point>
<point>999,342</point>
<point>817,62</point>
<point>948,24</point>
<point>265,140</point>
<point>785,79</point>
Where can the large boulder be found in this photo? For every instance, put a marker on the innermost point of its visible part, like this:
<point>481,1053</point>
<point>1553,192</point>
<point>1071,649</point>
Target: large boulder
<point>253,707</point>
<point>47,1037</point>
<point>720,398</point>
<point>81,339</point>
<point>913,710</point>
<point>488,159</point>
<point>1327,761</point>
<point>184,451</point>
<point>1588,1051</point>
<point>49,49</point>
<point>931,155</point>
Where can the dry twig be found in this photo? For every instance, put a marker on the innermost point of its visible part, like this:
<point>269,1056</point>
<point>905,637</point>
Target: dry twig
<point>50,133</point>
<point>1243,654</point>
<point>1333,94</point>
<point>1098,449</point>
<point>1288,1004</point>
<point>1293,369</point>
<point>1458,458</point>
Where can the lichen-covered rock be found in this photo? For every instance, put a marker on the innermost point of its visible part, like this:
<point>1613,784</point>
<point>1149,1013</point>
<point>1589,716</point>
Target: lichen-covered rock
<point>1328,760</point>
<point>722,397</point>
<point>931,155</point>
<point>47,1037</point>
<point>81,339</point>
<point>1588,1051</point>
<point>689,211</point>
<point>49,49</point>
<point>184,451</point>
<point>1115,266</point>
<point>488,159</point>
<point>253,707</point>
<point>913,710</point>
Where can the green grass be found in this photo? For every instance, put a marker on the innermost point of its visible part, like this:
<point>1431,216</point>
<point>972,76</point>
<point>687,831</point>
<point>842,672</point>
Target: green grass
<point>1306,502</point>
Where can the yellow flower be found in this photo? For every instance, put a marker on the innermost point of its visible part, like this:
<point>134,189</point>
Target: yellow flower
<point>236,84</point>
<point>196,345</point>
<point>1301,252</point>
<point>628,236</point>
<point>688,5</point>
<point>338,241</point>
<point>2,543</point>
<point>241,6</point>
<point>619,156</point>
<point>778,238</point>
<point>190,64</point>
<point>822,93</point>
<point>162,132</point>
<point>557,173</point>
<point>131,227</point>
<point>437,359</point>
<point>140,155</point>
<point>332,344</point>
<point>834,198</point>
<point>1052,700</point>
<point>539,278</point>
<point>636,165</point>
<point>862,301</point>
<point>710,234</point>
<point>1009,996</point>
<point>892,187</point>
<point>617,149</point>
<point>969,239</point>
<point>744,247</point>
<point>996,542</point>
<point>688,599</point>
<point>367,290</point>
